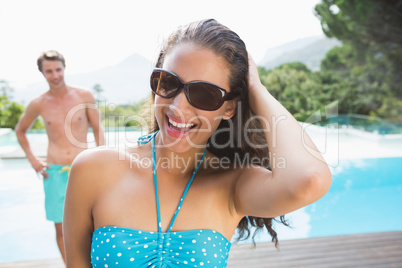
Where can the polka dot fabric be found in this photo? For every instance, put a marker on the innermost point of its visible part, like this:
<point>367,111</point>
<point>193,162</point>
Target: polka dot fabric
<point>123,247</point>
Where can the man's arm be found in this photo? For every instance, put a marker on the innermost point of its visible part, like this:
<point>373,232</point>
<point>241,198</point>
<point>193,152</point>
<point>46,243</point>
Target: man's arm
<point>94,119</point>
<point>24,123</point>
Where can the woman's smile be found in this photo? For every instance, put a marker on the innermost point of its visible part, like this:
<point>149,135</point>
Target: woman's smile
<point>177,128</point>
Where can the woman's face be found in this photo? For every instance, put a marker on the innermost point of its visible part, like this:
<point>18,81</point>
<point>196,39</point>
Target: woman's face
<point>184,127</point>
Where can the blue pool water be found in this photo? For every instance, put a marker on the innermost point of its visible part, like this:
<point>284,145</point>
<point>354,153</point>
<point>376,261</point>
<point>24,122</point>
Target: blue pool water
<point>365,197</point>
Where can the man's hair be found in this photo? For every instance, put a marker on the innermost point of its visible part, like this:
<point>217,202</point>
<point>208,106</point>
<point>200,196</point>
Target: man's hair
<point>50,55</point>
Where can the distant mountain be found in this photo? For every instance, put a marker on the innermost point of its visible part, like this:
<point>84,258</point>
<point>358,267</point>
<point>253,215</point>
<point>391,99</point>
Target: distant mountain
<point>309,51</point>
<point>275,52</point>
<point>123,83</point>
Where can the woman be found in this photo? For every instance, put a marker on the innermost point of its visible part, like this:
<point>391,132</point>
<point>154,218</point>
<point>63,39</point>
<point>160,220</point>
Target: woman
<point>213,121</point>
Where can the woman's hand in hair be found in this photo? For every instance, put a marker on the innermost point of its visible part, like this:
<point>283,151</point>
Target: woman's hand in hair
<point>256,88</point>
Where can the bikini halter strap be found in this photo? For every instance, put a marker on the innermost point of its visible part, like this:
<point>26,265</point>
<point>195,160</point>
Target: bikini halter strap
<point>156,187</point>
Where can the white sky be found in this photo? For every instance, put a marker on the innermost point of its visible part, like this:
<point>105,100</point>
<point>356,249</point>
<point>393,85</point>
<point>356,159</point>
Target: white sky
<point>94,34</point>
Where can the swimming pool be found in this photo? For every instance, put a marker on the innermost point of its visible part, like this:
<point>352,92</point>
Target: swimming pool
<point>365,196</point>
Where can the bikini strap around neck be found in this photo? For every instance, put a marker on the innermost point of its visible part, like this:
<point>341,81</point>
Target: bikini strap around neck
<point>144,139</point>
<point>156,188</point>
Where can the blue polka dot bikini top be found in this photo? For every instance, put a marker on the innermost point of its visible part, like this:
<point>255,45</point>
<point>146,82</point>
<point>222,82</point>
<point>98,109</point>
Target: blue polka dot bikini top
<point>125,247</point>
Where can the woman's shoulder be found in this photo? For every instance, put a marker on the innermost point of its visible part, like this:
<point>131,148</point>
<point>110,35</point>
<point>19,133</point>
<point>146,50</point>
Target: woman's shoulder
<point>97,156</point>
<point>100,162</point>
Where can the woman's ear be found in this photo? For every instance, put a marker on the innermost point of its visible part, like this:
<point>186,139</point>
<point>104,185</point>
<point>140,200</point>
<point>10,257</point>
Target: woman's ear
<point>230,109</point>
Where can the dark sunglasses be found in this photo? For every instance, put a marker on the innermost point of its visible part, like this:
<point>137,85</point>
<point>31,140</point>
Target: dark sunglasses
<point>201,95</point>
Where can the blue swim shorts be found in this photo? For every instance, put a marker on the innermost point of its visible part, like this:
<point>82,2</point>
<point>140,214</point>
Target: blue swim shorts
<point>55,191</point>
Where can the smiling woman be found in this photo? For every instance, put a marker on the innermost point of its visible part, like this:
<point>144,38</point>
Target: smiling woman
<point>206,86</point>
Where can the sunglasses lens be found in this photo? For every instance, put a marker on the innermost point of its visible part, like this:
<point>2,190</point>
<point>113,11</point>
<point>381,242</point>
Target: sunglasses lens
<point>201,95</point>
<point>205,96</point>
<point>164,84</point>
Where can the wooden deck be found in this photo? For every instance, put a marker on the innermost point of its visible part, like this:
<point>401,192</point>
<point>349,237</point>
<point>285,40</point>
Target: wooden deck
<point>361,250</point>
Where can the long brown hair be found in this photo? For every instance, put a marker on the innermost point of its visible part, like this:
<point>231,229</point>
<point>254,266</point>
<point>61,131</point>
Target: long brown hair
<point>212,35</point>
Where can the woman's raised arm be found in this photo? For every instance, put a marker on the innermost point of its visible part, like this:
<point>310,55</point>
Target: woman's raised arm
<point>299,173</point>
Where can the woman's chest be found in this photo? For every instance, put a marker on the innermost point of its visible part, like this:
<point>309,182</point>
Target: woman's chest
<point>134,203</point>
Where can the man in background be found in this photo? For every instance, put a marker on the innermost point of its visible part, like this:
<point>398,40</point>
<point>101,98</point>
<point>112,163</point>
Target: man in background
<point>67,113</point>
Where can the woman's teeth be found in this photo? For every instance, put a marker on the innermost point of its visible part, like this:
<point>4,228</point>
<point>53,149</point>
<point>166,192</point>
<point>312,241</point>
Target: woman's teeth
<point>180,125</point>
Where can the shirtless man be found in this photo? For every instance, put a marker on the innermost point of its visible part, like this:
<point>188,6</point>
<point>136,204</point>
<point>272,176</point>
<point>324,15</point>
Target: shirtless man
<point>67,113</point>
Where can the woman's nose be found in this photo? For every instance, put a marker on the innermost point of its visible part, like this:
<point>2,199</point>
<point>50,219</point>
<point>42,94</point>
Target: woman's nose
<point>180,100</point>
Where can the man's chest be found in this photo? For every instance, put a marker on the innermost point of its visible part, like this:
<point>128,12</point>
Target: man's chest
<point>68,114</point>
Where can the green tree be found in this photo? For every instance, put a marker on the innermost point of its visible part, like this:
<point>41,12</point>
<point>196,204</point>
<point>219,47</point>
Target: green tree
<point>295,86</point>
<point>365,81</point>
<point>98,90</point>
<point>370,60</point>
<point>366,23</point>
<point>10,112</point>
